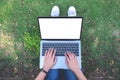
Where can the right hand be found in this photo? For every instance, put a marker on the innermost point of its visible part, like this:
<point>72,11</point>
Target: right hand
<point>72,62</point>
<point>73,65</point>
<point>50,59</point>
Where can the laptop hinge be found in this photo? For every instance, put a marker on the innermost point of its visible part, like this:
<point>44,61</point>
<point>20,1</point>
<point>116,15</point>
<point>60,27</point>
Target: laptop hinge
<point>61,39</point>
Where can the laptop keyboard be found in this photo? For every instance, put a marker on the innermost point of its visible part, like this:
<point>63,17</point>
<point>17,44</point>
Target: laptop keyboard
<point>61,48</point>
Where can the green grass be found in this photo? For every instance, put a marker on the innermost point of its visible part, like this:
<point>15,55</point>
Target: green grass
<point>19,36</point>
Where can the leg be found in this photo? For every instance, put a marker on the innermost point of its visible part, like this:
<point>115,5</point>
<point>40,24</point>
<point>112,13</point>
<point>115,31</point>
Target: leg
<point>53,74</point>
<point>55,12</point>
<point>69,75</point>
<point>72,11</point>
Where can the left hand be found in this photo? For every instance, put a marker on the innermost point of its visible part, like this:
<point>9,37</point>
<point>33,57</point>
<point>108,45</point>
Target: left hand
<point>72,62</point>
<point>50,59</point>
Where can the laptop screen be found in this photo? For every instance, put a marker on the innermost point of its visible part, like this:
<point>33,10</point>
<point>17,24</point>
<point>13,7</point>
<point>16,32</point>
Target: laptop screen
<point>60,27</point>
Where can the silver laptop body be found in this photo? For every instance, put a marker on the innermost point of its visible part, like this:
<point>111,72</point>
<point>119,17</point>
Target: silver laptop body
<point>60,30</point>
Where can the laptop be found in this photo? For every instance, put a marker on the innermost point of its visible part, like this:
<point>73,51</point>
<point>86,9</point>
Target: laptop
<point>63,34</point>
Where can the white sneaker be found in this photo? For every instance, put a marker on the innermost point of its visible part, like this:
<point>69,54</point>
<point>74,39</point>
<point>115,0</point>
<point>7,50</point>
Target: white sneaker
<point>55,12</point>
<point>71,11</point>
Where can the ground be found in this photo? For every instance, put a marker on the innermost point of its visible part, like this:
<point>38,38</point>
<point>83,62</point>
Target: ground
<point>19,37</point>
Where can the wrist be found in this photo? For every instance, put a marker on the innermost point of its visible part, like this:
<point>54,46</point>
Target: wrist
<point>46,69</point>
<point>76,71</point>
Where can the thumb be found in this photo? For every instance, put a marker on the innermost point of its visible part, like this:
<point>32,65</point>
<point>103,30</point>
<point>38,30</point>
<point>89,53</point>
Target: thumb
<point>66,61</point>
<point>55,60</point>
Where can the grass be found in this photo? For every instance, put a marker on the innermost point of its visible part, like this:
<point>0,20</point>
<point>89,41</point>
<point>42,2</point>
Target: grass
<point>19,36</point>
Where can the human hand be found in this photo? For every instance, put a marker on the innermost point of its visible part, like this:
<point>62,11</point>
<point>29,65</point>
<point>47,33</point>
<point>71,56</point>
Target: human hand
<point>50,59</point>
<point>72,62</point>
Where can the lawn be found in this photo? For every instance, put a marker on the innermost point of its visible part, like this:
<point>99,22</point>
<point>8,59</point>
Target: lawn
<point>19,37</point>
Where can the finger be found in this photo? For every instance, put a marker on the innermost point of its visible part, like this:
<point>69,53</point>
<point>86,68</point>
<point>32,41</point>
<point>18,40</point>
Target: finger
<point>67,54</point>
<point>67,57</point>
<point>71,55</point>
<point>67,62</point>
<point>74,54</point>
<point>53,55</point>
<point>54,52</point>
<point>55,60</point>
<point>50,53</point>
<point>49,50</point>
<point>46,52</point>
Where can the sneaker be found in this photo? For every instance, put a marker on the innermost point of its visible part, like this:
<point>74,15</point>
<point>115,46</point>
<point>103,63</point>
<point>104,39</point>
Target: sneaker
<point>71,11</point>
<point>55,12</point>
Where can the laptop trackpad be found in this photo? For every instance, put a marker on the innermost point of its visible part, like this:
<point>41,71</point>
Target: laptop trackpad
<point>61,64</point>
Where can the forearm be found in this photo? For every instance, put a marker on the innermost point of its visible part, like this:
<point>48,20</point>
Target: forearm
<point>80,75</point>
<point>41,76</point>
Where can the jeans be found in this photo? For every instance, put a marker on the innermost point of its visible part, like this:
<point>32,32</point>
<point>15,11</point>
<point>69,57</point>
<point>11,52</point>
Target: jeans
<point>54,74</point>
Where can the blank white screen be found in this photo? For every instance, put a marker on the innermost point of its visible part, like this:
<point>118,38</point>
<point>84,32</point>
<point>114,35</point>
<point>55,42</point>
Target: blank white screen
<point>60,28</point>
